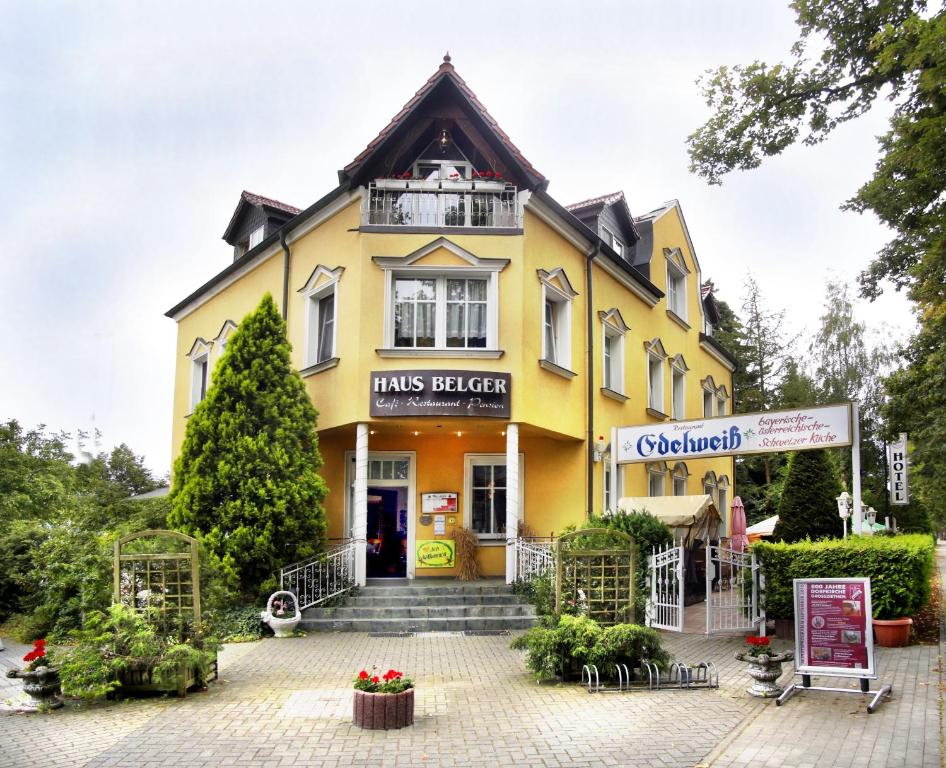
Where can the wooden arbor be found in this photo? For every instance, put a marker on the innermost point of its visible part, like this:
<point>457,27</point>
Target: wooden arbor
<point>595,574</point>
<point>165,581</point>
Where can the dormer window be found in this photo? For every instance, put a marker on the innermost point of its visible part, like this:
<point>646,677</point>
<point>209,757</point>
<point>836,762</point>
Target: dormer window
<point>256,237</point>
<point>613,240</point>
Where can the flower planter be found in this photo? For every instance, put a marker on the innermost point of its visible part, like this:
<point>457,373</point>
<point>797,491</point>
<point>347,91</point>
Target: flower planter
<point>383,711</point>
<point>764,671</point>
<point>282,626</point>
<point>142,680</point>
<point>41,685</point>
<point>892,633</point>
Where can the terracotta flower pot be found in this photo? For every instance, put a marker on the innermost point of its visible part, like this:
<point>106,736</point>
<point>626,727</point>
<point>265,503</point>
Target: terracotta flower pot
<point>383,711</point>
<point>892,633</point>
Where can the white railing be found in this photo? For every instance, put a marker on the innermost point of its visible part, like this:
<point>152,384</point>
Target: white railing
<point>475,204</point>
<point>322,577</point>
<point>533,559</point>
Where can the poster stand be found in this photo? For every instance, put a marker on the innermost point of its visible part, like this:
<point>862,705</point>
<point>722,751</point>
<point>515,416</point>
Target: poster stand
<point>806,685</point>
<point>833,637</point>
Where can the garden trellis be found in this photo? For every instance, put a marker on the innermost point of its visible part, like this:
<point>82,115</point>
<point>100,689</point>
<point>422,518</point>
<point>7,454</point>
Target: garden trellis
<point>168,582</point>
<point>595,574</point>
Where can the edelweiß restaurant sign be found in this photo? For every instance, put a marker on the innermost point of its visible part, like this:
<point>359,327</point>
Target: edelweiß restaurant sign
<point>796,430</point>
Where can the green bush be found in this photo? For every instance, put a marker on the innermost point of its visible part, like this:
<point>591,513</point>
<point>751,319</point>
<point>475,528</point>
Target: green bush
<point>572,641</point>
<point>808,507</point>
<point>236,624</point>
<point>539,591</point>
<point>899,569</point>
<point>123,640</point>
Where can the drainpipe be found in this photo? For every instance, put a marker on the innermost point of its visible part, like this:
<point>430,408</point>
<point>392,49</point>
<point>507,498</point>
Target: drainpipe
<point>285,274</point>
<point>591,377</point>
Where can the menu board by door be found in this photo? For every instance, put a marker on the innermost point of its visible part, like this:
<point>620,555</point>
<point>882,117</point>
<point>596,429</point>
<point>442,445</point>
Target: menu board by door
<point>833,631</point>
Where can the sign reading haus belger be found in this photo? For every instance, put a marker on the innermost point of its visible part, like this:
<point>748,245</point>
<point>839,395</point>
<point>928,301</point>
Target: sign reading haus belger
<point>440,393</point>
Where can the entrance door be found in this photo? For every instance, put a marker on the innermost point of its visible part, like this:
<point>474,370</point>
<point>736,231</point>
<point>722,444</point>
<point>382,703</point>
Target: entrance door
<point>733,587</point>
<point>387,532</point>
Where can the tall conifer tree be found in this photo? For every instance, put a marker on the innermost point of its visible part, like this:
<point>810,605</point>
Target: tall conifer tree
<point>809,499</point>
<point>246,481</point>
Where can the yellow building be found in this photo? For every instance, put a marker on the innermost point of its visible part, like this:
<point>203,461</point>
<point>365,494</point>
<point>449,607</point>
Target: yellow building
<point>468,341</point>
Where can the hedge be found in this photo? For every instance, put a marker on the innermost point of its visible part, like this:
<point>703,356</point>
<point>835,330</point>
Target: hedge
<point>899,568</point>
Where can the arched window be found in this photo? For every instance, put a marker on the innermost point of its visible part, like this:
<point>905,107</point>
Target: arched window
<point>657,479</point>
<point>709,486</point>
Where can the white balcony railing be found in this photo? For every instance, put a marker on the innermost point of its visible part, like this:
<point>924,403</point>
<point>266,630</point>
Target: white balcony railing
<point>534,559</point>
<point>422,203</point>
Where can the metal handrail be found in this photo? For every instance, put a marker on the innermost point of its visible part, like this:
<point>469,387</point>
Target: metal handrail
<point>480,204</point>
<point>533,559</point>
<point>322,577</point>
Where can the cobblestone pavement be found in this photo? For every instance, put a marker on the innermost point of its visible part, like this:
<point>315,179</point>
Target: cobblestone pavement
<point>284,703</point>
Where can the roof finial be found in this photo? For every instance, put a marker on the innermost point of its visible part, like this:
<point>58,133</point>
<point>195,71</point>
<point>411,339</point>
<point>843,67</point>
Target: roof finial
<point>446,58</point>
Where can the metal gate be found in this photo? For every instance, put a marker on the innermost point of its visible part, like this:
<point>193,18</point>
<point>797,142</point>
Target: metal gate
<point>665,606</point>
<point>734,585</point>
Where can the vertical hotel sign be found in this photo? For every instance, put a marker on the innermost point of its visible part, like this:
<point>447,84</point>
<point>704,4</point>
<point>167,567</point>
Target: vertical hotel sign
<point>899,479</point>
<point>833,633</point>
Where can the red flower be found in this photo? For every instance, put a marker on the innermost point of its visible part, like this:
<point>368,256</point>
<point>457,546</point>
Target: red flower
<point>39,643</point>
<point>375,679</point>
<point>363,675</point>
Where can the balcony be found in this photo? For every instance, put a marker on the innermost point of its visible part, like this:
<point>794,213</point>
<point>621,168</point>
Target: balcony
<point>480,206</point>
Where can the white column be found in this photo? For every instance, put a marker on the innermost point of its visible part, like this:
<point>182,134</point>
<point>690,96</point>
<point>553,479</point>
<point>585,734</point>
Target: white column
<point>513,515</point>
<point>359,528</point>
<point>857,515</point>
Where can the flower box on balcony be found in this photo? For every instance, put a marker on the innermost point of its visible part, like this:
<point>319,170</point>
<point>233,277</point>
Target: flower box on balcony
<point>489,186</point>
<point>429,185</point>
<point>455,186</point>
<point>390,183</point>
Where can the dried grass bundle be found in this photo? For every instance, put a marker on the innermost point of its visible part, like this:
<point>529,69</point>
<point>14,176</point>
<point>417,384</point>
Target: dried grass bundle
<point>468,569</point>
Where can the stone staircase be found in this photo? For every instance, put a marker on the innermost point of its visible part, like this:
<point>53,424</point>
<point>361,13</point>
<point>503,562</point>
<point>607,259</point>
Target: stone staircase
<point>425,605</point>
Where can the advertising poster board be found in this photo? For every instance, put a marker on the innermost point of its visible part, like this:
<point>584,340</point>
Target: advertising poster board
<point>436,553</point>
<point>833,631</point>
<point>799,429</point>
<point>438,503</point>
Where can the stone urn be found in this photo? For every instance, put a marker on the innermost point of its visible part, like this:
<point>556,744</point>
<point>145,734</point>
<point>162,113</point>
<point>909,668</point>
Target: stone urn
<point>383,711</point>
<point>41,685</point>
<point>764,670</point>
<point>282,613</point>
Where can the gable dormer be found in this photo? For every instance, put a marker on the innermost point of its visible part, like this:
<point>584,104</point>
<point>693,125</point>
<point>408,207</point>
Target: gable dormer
<point>609,217</point>
<point>254,219</point>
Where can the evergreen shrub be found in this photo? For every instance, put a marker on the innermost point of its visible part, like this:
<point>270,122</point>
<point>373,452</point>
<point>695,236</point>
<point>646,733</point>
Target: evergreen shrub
<point>899,569</point>
<point>568,642</point>
<point>809,507</point>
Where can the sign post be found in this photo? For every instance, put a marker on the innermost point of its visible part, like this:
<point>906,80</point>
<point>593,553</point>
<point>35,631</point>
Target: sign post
<point>834,636</point>
<point>899,477</point>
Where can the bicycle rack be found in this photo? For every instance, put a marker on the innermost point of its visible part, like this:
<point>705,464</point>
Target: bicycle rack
<point>682,676</point>
<point>701,675</point>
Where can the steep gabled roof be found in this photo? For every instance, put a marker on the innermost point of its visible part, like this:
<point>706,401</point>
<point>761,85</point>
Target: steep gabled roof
<point>596,202</point>
<point>595,205</point>
<point>266,203</point>
<point>445,72</point>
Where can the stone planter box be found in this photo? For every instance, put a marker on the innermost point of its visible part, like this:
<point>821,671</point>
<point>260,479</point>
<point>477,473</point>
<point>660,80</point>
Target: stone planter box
<point>143,681</point>
<point>383,711</point>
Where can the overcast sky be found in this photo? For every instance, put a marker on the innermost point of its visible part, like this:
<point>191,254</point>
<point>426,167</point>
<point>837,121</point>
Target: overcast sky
<point>128,130</point>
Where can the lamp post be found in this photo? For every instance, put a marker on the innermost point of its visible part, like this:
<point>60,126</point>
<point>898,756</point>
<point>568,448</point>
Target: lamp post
<point>845,504</point>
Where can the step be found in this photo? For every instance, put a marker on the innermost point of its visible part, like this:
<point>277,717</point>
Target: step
<point>416,590</point>
<point>370,601</point>
<point>479,623</point>
<point>353,611</point>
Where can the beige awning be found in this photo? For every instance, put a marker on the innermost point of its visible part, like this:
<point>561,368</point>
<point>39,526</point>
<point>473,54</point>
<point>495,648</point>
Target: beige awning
<point>696,514</point>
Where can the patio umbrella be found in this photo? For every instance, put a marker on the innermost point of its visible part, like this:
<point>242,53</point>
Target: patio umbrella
<point>739,539</point>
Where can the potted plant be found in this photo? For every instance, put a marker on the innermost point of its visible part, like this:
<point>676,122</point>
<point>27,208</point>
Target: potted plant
<point>383,703</point>
<point>40,680</point>
<point>282,613</point>
<point>765,667</point>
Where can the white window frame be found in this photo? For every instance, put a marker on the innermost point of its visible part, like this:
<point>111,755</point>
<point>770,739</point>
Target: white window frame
<point>491,460</point>
<point>710,486</point>
<point>606,486</point>
<point>199,371</point>
<point>656,473</point>
<point>223,338</point>
<point>680,474</point>
<point>560,296</point>
<point>678,387</point>
<point>677,289</point>
<point>322,284</point>
<point>613,328</point>
<point>256,237</point>
<point>655,356</point>
<point>708,388</point>
<point>722,400</point>
<point>617,245</point>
